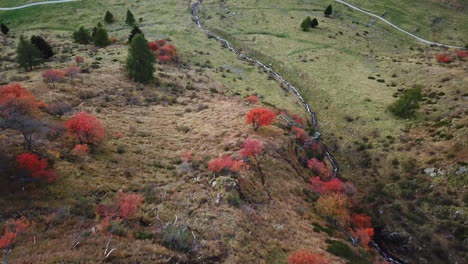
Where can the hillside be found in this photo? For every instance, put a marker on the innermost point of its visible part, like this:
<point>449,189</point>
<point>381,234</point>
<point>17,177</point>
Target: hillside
<point>408,175</point>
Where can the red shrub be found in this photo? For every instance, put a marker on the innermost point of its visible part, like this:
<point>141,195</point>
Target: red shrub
<point>187,156</point>
<point>86,128</point>
<point>219,164</point>
<point>7,240</point>
<point>160,43</point>
<point>14,98</point>
<point>300,133</point>
<point>79,60</point>
<point>318,167</point>
<point>36,167</point>
<point>306,257</point>
<point>128,204</point>
<point>361,221</point>
<point>297,119</point>
<point>364,235</point>
<point>238,165</point>
<point>252,99</point>
<point>53,76</point>
<point>443,58</point>
<point>251,148</point>
<point>320,186</point>
<point>80,150</point>
<point>164,59</point>
<point>13,229</point>
<point>72,72</point>
<point>462,54</point>
<point>168,50</point>
<point>153,46</point>
<point>260,117</point>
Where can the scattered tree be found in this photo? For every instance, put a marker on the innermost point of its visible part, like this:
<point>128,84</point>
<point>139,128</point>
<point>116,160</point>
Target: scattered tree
<point>407,104</point>
<point>306,257</point>
<point>363,235</point>
<point>27,55</point>
<point>252,99</point>
<point>108,17</point>
<point>314,23</point>
<point>317,185</point>
<point>4,28</point>
<point>58,109</point>
<point>53,76</point>
<point>318,168</point>
<point>36,167</point>
<point>82,36</point>
<point>300,134</point>
<point>86,128</point>
<point>130,19</point>
<point>328,11</point>
<point>306,23</point>
<point>260,117</point>
<point>72,72</point>
<point>361,221</point>
<point>79,60</point>
<point>80,150</point>
<point>17,100</point>
<point>136,30</point>
<point>43,46</point>
<point>140,60</point>
<point>334,206</point>
<point>101,38</point>
<point>14,230</point>
<point>31,128</point>
<point>128,204</point>
<point>251,148</point>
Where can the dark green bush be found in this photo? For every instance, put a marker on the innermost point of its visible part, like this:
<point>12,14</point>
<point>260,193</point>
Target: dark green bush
<point>178,238</point>
<point>407,104</point>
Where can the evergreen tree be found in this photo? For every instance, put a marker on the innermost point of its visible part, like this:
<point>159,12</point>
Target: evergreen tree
<point>130,19</point>
<point>314,23</point>
<point>101,39</point>
<point>328,11</point>
<point>99,25</point>
<point>43,46</point>
<point>135,30</point>
<point>27,55</point>
<point>109,17</point>
<point>82,36</point>
<point>305,25</point>
<point>140,60</point>
<point>4,28</point>
<point>93,31</point>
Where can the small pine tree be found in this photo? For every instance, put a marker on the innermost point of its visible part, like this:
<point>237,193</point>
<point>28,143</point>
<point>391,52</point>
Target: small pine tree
<point>135,30</point>
<point>27,55</point>
<point>4,29</point>
<point>101,38</point>
<point>407,104</point>
<point>314,23</point>
<point>140,60</point>
<point>305,25</point>
<point>109,17</point>
<point>130,19</point>
<point>328,11</point>
<point>82,36</point>
<point>43,46</point>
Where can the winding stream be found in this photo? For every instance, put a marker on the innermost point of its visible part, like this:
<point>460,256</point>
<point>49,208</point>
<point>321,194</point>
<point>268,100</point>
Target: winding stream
<point>194,8</point>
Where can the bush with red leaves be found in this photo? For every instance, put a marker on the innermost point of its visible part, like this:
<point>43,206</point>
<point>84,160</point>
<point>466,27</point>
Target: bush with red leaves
<point>128,204</point>
<point>79,60</point>
<point>15,99</point>
<point>53,76</point>
<point>306,257</point>
<point>153,46</point>
<point>318,167</point>
<point>361,221</point>
<point>168,50</point>
<point>80,150</point>
<point>364,235</point>
<point>444,58</point>
<point>251,148</point>
<point>226,163</point>
<point>298,119</point>
<point>300,133</point>
<point>86,128</point>
<point>163,59</point>
<point>260,117</point>
<point>317,185</point>
<point>462,54</point>
<point>252,99</point>
<point>36,167</point>
<point>161,43</point>
<point>13,229</point>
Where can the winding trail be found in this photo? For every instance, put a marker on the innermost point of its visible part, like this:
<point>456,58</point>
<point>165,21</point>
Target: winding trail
<point>36,4</point>
<point>396,27</point>
<point>194,9</point>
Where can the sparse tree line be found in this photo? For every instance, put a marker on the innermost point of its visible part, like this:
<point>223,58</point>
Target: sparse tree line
<point>309,23</point>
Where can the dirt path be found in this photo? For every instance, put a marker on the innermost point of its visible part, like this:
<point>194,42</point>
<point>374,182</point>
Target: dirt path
<point>36,4</point>
<point>396,27</point>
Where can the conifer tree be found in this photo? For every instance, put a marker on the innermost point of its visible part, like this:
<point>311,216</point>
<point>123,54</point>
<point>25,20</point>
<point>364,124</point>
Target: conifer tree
<point>4,28</point>
<point>101,38</point>
<point>314,23</point>
<point>130,19</point>
<point>135,30</point>
<point>140,60</point>
<point>306,23</point>
<point>109,17</point>
<point>43,46</point>
<point>328,11</point>
<point>27,55</point>
<point>82,36</point>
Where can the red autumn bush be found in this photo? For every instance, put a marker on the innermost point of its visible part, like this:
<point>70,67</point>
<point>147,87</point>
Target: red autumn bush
<point>260,117</point>
<point>153,46</point>
<point>161,43</point>
<point>72,72</point>
<point>318,167</point>
<point>462,54</point>
<point>168,50</point>
<point>16,99</point>
<point>164,59</point>
<point>36,167</point>
<point>80,150</point>
<point>86,128</point>
<point>79,60</point>
<point>252,99</point>
<point>298,119</point>
<point>220,164</point>
<point>13,230</point>
<point>251,148</point>
<point>300,133</point>
<point>364,235</point>
<point>444,58</point>
<point>128,204</point>
<point>334,206</point>
<point>53,76</point>
<point>306,257</point>
<point>317,185</point>
<point>361,221</point>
